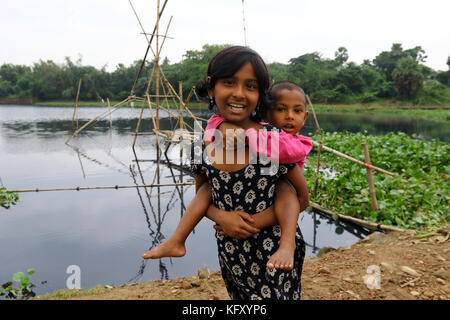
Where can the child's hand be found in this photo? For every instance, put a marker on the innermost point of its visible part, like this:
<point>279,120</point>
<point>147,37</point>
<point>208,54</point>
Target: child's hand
<point>236,224</point>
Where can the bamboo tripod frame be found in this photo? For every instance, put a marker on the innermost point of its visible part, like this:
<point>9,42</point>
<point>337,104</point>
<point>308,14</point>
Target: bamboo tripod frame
<point>155,102</point>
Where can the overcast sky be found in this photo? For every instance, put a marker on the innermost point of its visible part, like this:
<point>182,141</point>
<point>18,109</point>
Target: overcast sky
<point>106,32</point>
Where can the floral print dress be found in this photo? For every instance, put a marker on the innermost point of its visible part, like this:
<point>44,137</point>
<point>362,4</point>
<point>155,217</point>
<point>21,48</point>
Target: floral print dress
<point>243,261</point>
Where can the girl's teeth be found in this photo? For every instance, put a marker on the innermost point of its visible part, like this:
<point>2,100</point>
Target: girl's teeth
<point>236,107</point>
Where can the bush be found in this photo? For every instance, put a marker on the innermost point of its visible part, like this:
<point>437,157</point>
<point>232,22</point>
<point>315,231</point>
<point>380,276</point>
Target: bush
<point>433,93</point>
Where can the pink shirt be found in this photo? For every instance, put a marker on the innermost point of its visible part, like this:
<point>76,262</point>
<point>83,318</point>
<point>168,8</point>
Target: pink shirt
<point>291,148</point>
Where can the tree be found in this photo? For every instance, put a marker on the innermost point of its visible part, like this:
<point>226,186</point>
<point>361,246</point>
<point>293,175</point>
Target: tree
<point>341,56</point>
<point>195,64</point>
<point>407,77</point>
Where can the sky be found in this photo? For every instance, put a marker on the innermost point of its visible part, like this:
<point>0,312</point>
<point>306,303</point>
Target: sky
<point>104,33</point>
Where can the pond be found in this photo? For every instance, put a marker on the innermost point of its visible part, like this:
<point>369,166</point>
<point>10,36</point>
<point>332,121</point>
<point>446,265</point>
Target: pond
<point>105,231</point>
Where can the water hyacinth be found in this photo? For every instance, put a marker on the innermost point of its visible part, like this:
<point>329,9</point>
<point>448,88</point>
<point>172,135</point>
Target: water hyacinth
<point>417,198</point>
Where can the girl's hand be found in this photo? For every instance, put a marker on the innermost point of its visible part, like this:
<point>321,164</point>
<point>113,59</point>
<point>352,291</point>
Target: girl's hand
<point>235,224</point>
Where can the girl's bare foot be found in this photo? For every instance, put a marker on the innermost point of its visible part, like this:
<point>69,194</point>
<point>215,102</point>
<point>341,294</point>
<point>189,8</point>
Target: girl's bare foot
<point>169,248</point>
<point>283,259</point>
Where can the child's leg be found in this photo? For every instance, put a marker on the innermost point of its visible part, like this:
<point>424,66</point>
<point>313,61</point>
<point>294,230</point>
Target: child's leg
<point>174,246</point>
<point>287,210</point>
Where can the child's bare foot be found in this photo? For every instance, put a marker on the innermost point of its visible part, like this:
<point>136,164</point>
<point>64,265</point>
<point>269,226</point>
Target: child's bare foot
<point>166,249</point>
<point>283,259</point>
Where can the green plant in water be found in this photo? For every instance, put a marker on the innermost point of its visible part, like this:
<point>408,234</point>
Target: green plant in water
<point>417,198</point>
<point>7,198</point>
<point>23,291</point>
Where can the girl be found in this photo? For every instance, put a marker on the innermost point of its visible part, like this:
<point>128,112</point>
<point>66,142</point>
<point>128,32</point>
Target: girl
<point>237,79</point>
<point>286,110</point>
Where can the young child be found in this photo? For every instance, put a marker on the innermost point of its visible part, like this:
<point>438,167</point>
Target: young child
<point>236,80</point>
<point>286,106</point>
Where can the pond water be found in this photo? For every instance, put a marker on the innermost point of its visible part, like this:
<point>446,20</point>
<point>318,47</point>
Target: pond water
<point>379,124</point>
<point>104,232</point>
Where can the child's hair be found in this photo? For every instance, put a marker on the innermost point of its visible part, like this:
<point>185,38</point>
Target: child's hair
<point>227,62</point>
<point>270,97</point>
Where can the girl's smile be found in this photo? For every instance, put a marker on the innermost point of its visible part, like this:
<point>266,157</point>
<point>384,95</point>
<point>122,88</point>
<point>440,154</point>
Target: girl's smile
<point>237,96</point>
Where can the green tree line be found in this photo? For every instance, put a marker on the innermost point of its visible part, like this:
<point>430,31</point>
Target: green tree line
<point>398,74</point>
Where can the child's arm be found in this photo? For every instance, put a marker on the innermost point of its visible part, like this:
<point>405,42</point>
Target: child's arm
<point>291,148</point>
<point>298,181</point>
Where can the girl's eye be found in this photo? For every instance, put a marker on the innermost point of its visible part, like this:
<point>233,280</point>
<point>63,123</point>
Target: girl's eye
<point>298,110</point>
<point>252,85</point>
<point>228,82</point>
<point>280,109</point>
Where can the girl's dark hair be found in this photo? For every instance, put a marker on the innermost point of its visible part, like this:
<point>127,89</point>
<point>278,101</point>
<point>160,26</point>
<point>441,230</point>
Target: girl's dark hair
<point>227,62</point>
<point>270,97</point>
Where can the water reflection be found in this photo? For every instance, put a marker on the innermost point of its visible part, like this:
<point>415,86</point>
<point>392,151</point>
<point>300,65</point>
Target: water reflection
<point>380,124</point>
<point>372,123</point>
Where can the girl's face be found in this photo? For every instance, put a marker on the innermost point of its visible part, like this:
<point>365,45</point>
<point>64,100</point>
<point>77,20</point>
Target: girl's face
<point>289,112</point>
<point>237,96</point>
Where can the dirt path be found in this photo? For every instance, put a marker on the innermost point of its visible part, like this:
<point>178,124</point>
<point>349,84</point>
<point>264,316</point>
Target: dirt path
<point>408,266</point>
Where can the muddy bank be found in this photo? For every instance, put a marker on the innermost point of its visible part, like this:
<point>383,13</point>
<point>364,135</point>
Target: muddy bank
<point>383,266</point>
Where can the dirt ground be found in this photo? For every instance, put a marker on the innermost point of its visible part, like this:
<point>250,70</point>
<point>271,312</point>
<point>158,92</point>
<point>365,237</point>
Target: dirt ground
<point>383,266</point>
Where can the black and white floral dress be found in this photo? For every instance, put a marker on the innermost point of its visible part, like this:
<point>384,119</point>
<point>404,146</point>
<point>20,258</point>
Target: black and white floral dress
<point>243,261</point>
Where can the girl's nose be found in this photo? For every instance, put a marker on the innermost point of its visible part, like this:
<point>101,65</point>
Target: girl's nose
<point>289,114</point>
<point>238,91</point>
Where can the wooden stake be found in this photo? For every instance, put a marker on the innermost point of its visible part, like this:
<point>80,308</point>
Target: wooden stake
<point>370,178</point>
<point>110,118</point>
<point>340,154</point>
<point>318,167</point>
<point>75,109</point>
<point>314,114</point>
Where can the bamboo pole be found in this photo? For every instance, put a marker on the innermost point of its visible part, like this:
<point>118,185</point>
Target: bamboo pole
<point>314,114</point>
<point>96,119</point>
<point>148,46</point>
<point>367,224</point>
<point>75,109</point>
<point>373,194</point>
<point>104,187</point>
<point>316,183</point>
<point>138,124</point>
<point>110,118</point>
<point>340,154</point>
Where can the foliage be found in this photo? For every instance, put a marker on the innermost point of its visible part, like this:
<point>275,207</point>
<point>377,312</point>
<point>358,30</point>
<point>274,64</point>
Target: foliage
<point>394,74</point>
<point>417,198</point>
<point>23,291</point>
<point>407,77</point>
<point>7,198</point>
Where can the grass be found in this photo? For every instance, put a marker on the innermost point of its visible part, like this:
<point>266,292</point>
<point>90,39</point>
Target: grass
<point>64,294</point>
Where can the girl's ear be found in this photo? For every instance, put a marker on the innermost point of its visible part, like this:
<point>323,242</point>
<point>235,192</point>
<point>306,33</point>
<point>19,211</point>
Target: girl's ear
<point>306,115</point>
<point>210,91</point>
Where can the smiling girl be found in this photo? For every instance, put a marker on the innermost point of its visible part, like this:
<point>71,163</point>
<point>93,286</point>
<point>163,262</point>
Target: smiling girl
<point>242,196</point>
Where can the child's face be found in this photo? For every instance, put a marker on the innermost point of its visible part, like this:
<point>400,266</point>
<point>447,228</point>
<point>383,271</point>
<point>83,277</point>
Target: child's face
<point>289,112</point>
<point>237,96</point>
